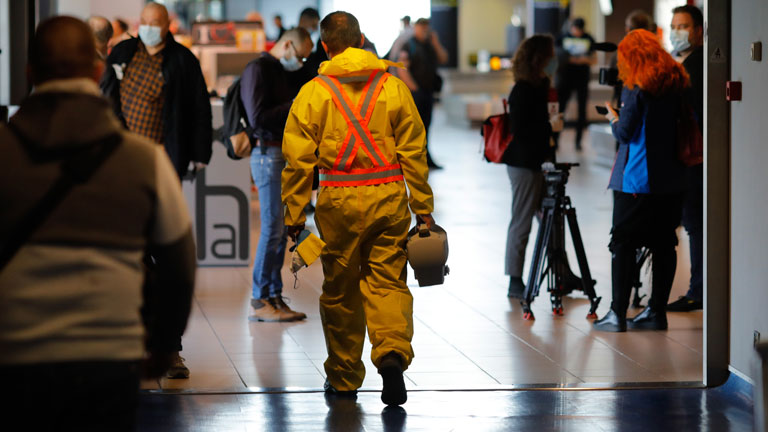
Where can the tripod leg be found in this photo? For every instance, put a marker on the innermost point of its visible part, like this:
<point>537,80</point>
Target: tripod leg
<point>586,276</point>
<point>534,280</point>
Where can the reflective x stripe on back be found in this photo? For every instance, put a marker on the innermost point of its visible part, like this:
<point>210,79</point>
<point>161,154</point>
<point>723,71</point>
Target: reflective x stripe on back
<point>357,118</point>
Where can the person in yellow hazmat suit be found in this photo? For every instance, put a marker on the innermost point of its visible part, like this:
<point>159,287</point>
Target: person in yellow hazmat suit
<point>361,127</point>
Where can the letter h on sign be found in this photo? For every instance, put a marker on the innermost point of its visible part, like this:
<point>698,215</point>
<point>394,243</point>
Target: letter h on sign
<point>238,238</point>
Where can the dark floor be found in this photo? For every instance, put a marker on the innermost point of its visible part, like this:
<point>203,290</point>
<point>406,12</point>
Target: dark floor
<point>724,409</point>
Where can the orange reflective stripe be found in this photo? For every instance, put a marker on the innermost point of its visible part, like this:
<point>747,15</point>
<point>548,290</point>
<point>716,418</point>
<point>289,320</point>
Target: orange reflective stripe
<point>358,133</point>
<point>361,176</point>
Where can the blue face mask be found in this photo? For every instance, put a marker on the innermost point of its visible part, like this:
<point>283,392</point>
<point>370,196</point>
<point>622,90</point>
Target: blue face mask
<point>150,35</point>
<point>679,39</point>
<point>551,68</point>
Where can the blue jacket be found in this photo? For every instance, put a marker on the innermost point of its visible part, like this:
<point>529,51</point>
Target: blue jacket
<point>647,160</point>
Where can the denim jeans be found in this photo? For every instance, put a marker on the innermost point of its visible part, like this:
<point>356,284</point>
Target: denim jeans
<point>266,170</point>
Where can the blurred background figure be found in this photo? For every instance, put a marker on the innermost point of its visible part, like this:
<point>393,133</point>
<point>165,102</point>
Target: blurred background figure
<point>119,32</point>
<point>531,129</point>
<point>254,16</point>
<point>637,19</point>
<point>406,33</point>
<point>575,56</point>
<point>278,20</point>
<point>421,55</point>
<point>102,32</point>
<point>687,37</point>
<point>649,180</point>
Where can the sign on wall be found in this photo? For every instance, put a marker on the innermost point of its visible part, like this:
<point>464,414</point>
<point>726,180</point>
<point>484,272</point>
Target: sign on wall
<point>219,203</point>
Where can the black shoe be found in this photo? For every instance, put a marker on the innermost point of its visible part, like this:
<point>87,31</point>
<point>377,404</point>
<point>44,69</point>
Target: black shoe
<point>648,319</point>
<point>391,371</point>
<point>685,304</point>
<point>516,287</point>
<point>611,323</point>
<point>330,391</point>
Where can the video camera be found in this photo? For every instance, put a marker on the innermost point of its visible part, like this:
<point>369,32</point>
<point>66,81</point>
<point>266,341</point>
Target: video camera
<point>608,76</point>
<point>556,179</point>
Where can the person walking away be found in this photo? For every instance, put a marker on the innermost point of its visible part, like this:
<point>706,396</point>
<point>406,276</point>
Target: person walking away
<point>647,176</point>
<point>576,55</point>
<point>361,127</point>
<point>687,36</point>
<point>531,128</point>
<point>267,95</point>
<point>421,55</point>
<point>71,332</point>
<point>158,91</point>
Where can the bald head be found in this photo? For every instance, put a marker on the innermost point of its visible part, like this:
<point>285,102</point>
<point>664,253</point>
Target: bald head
<point>63,47</point>
<point>155,14</point>
<point>102,31</point>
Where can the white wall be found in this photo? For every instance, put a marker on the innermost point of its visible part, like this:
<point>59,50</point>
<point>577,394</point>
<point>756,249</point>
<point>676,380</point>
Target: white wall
<point>129,10</point>
<point>483,24</point>
<point>5,47</point>
<point>749,183</point>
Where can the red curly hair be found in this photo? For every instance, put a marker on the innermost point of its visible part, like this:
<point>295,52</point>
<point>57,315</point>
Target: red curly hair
<point>644,63</point>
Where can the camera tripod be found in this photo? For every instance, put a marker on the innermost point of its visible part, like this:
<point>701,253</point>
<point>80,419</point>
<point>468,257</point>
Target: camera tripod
<point>550,246</point>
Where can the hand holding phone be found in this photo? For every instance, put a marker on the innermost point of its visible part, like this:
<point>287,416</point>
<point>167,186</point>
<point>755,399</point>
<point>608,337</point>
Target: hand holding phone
<point>601,109</point>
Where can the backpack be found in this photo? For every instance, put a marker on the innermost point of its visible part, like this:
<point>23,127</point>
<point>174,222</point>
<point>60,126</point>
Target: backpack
<point>496,136</point>
<point>236,134</point>
<point>690,142</point>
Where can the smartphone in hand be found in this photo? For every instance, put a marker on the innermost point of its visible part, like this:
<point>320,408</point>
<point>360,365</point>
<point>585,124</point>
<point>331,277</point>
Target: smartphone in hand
<point>601,109</point>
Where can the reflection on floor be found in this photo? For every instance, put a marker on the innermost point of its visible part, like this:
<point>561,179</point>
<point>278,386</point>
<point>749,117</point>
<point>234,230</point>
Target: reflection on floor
<point>728,408</point>
<point>468,335</point>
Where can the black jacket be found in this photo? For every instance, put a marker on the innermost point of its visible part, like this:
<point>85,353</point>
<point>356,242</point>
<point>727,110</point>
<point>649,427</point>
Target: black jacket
<point>529,124</point>
<point>694,65</point>
<point>187,109</point>
<point>267,95</point>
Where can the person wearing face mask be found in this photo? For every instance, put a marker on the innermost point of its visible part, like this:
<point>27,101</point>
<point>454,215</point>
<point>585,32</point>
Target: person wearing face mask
<point>158,91</point>
<point>531,127</point>
<point>687,39</point>
<point>267,92</point>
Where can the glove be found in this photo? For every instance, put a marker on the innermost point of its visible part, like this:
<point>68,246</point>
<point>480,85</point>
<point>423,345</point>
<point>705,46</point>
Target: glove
<point>547,166</point>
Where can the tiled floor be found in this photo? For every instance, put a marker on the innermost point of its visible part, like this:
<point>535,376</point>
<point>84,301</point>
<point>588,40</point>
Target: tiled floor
<point>468,335</point>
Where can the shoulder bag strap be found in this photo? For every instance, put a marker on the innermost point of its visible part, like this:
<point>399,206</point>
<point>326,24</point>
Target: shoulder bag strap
<point>75,170</point>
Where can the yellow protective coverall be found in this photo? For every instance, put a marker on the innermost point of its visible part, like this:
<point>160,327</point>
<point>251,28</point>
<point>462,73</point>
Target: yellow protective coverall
<point>364,226</point>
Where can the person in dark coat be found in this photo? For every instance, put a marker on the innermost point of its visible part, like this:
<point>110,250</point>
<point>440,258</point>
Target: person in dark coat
<point>648,177</point>
<point>531,129</point>
<point>158,91</point>
<point>687,38</point>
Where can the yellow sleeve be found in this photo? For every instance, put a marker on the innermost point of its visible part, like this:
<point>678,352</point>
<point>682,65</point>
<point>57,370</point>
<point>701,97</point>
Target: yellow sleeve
<point>300,141</point>
<point>410,145</point>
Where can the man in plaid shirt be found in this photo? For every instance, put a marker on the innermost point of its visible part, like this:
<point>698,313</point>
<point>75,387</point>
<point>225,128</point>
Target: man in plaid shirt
<point>158,91</point>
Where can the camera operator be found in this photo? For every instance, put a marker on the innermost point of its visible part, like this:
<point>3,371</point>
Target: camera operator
<point>531,128</point>
<point>688,41</point>
<point>648,177</point>
<point>637,19</point>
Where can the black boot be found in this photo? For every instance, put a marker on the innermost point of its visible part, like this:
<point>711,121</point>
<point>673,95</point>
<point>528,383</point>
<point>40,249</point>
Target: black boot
<point>649,319</point>
<point>391,371</point>
<point>516,287</point>
<point>611,322</point>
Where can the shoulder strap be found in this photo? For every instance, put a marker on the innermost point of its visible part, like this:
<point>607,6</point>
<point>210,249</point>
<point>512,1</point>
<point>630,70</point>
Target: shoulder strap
<point>75,170</point>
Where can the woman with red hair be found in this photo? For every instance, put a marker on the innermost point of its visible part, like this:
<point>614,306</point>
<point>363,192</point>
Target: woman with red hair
<point>647,177</point>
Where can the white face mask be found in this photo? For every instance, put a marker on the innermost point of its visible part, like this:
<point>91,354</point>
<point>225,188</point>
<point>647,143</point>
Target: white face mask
<point>292,63</point>
<point>679,39</point>
<point>150,35</point>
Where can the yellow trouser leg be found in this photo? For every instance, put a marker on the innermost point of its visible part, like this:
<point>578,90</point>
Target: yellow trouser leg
<point>364,267</point>
<point>387,300</point>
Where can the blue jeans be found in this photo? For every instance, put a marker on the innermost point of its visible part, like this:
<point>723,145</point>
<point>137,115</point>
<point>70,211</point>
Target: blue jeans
<point>266,170</point>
